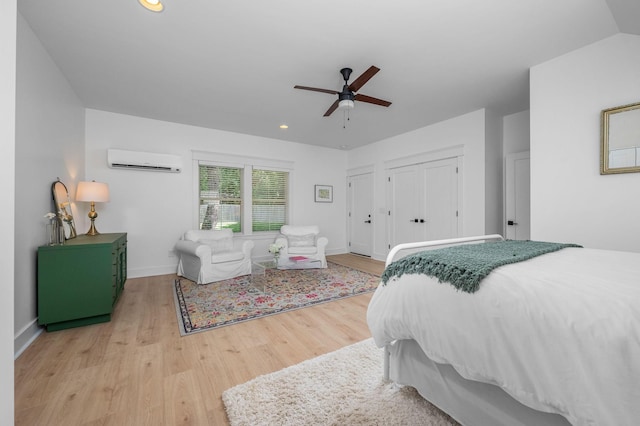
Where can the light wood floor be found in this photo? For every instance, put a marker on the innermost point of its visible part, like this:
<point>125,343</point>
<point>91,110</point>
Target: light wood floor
<point>362,263</point>
<point>138,370</point>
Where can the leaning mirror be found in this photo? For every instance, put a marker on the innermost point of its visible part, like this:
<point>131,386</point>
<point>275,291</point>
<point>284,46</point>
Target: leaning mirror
<point>620,147</point>
<point>62,206</point>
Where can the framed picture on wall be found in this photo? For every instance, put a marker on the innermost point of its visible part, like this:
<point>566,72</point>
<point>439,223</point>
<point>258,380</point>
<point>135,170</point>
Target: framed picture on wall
<point>324,194</point>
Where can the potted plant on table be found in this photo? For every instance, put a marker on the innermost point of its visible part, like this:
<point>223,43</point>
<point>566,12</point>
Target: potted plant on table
<point>274,249</point>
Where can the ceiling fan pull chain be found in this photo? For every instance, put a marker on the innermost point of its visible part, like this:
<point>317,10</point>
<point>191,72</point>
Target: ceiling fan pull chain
<point>345,117</point>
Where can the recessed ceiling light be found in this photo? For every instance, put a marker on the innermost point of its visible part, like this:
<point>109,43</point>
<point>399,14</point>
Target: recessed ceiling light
<point>153,5</point>
<point>284,126</point>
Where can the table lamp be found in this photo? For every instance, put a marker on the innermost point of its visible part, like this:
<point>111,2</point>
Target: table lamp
<point>93,192</point>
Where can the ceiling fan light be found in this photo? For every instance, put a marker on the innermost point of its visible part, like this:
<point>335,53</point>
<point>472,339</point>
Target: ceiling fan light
<point>346,104</point>
<point>153,5</point>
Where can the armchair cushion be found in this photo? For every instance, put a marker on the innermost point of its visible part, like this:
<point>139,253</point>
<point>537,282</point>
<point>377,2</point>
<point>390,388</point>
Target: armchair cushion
<point>307,240</point>
<point>296,251</point>
<point>218,244</point>
<point>201,234</point>
<point>227,256</point>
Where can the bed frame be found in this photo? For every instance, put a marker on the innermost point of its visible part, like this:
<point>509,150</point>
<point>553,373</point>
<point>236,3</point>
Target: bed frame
<point>468,402</point>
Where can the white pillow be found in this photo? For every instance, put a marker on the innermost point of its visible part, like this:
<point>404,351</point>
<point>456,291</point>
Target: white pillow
<point>308,240</point>
<point>219,244</point>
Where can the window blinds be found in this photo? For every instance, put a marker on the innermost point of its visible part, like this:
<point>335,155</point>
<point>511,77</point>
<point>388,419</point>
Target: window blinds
<point>220,198</point>
<point>269,199</point>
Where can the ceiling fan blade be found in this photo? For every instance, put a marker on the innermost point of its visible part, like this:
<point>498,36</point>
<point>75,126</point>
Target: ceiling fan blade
<point>332,108</point>
<point>364,77</point>
<point>315,89</point>
<point>371,100</point>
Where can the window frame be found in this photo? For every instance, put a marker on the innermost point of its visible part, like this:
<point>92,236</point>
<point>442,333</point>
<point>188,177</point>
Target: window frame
<point>247,164</point>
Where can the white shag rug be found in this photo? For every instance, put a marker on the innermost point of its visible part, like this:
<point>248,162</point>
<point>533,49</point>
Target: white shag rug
<point>344,387</point>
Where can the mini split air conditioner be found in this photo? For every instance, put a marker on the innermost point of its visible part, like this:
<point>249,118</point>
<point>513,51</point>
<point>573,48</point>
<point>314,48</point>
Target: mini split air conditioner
<point>133,160</point>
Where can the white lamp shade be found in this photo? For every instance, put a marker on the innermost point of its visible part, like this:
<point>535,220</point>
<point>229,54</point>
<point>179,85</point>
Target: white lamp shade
<point>97,192</point>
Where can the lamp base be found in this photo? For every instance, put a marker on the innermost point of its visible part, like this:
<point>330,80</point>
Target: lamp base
<point>92,231</point>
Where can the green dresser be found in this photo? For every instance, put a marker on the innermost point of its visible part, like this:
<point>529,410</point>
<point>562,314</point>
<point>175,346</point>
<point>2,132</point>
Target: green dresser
<point>80,282</point>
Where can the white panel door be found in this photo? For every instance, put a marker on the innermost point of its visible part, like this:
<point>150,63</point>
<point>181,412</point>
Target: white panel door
<point>518,197</point>
<point>404,188</point>
<point>360,214</point>
<point>440,203</point>
<point>424,202</point>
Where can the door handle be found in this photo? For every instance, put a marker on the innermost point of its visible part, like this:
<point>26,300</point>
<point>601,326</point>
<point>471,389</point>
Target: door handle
<point>511,223</point>
<point>414,220</point>
<point>367,221</point>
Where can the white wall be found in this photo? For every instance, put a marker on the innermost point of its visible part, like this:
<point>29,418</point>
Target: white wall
<point>49,144</point>
<point>515,128</point>
<point>494,160</point>
<point>468,131</point>
<point>156,208</point>
<point>516,132</point>
<point>570,200</point>
<point>8,30</point>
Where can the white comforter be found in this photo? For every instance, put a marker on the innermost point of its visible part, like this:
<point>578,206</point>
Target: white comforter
<point>560,332</point>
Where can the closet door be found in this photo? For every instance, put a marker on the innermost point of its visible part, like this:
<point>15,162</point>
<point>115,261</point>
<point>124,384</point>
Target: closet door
<point>517,198</point>
<point>424,202</point>
<point>404,215</point>
<point>440,201</point>
<point>360,214</point>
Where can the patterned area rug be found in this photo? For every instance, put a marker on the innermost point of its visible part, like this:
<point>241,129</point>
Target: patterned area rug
<point>205,307</point>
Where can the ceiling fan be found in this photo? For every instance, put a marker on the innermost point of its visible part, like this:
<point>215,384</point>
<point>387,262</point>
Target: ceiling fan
<point>347,97</point>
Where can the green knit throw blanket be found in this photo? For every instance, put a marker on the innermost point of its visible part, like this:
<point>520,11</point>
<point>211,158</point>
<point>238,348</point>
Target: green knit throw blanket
<point>464,266</point>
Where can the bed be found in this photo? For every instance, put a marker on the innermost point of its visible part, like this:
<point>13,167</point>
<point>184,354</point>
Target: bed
<point>552,340</point>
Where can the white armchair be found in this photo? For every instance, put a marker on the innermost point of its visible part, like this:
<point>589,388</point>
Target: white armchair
<point>209,256</point>
<point>301,241</point>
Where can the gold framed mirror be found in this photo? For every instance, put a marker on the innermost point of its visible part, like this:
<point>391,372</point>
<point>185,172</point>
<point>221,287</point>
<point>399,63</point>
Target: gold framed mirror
<point>62,206</point>
<point>620,140</point>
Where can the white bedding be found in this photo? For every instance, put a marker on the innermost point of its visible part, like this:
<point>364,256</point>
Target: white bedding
<point>560,332</point>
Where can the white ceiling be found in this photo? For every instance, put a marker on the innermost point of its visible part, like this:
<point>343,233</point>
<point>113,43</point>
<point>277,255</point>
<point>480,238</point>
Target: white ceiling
<point>232,65</point>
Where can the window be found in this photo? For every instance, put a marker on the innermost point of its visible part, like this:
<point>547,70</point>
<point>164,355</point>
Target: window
<point>244,197</point>
<point>220,198</point>
<point>269,199</point>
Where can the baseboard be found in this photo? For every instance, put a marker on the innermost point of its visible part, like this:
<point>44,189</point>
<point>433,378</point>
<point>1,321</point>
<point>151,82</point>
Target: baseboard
<point>26,337</point>
<point>341,250</point>
<point>151,272</point>
<point>375,256</point>
<point>380,256</point>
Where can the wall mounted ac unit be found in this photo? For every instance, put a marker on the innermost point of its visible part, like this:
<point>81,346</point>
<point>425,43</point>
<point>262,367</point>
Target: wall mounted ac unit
<point>134,160</point>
